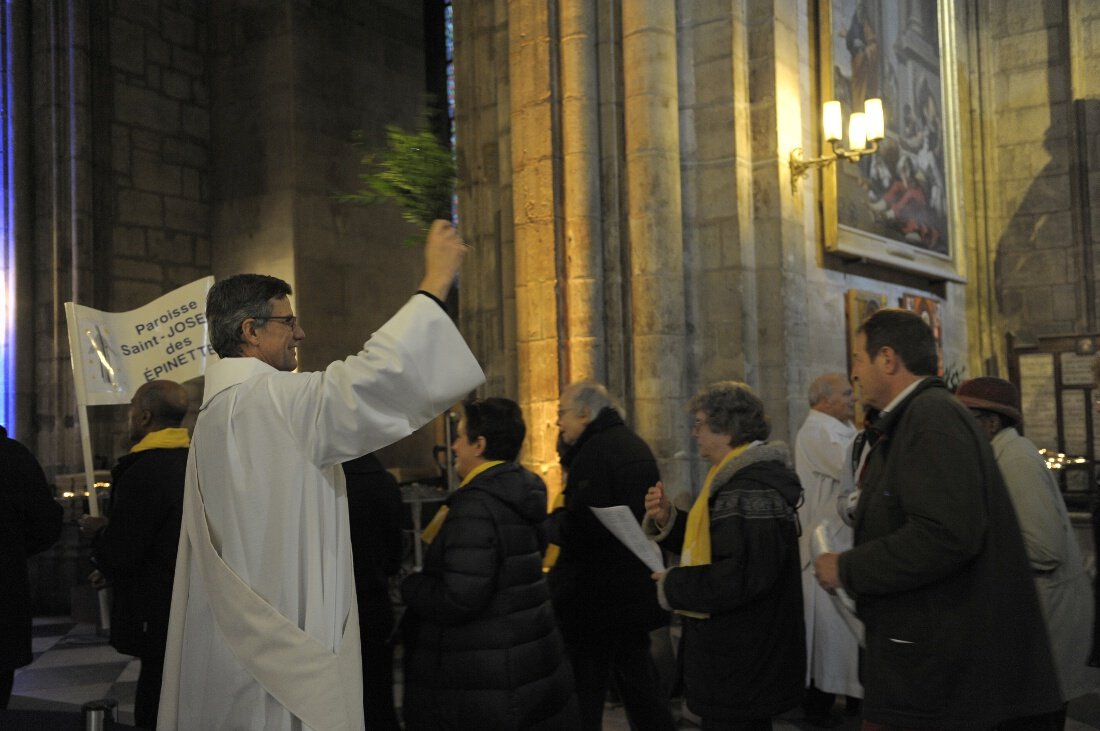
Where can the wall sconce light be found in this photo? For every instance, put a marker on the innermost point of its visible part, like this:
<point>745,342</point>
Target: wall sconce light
<point>868,126</point>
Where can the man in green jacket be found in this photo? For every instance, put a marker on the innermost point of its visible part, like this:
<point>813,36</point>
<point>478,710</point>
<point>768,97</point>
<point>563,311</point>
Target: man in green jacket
<point>954,634</point>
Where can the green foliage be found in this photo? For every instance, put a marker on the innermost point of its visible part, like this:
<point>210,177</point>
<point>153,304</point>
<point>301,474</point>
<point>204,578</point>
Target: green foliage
<point>413,170</point>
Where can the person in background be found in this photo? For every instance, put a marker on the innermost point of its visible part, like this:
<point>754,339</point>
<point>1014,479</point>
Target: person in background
<point>603,596</point>
<point>134,550</point>
<point>1065,595</point>
<point>375,513</point>
<point>482,649</point>
<point>819,456</point>
<point>738,585</point>
<point>954,635</point>
<point>30,522</point>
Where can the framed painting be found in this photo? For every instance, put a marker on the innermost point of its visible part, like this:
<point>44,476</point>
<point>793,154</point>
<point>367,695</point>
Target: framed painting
<point>900,206</point>
<point>858,306</point>
<point>929,310</point>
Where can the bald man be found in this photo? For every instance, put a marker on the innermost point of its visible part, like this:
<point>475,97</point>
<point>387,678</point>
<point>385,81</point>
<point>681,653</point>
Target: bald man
<point>820,448</point>
<point>135,549</point>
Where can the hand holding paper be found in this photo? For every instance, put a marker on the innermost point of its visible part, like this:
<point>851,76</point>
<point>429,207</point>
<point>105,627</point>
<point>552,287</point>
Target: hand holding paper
<point>624,526</point>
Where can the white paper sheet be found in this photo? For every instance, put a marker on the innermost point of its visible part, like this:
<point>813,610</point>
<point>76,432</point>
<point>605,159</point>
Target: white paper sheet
<point>623,525</point>
<point>821,541</point>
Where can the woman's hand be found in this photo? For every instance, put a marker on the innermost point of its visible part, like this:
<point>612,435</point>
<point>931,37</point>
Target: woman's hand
<point>657,506</point>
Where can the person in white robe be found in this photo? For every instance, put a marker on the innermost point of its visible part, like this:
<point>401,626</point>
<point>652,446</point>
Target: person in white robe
<point>821,459</point>
<point>264,630</point>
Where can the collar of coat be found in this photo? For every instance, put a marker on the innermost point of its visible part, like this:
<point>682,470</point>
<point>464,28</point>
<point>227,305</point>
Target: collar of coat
<point>765,452</point>
<point>607,418</point>
<point>227,372</point>
<point>888,421</point>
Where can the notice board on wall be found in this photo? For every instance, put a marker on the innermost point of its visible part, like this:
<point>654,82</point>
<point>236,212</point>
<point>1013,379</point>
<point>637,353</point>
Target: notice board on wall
<point>1055,378</point>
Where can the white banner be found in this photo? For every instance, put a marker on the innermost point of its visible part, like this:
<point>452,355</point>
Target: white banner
<point>113,353</point>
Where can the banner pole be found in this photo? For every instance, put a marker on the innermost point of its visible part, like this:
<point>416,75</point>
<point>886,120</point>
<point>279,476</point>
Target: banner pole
<point>86,443</point>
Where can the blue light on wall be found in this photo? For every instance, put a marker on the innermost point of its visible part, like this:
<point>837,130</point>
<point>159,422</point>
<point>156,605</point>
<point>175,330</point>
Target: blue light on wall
<point>7,225</point>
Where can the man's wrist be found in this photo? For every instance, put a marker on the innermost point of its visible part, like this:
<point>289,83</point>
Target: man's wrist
<point>433,298</point>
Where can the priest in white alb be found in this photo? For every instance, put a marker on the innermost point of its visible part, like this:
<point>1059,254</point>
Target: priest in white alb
<point>822,448</point>
<point>264,631</point>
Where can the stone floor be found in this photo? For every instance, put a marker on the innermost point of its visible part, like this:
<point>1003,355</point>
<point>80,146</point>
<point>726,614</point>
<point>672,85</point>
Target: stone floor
<point>73,665</point>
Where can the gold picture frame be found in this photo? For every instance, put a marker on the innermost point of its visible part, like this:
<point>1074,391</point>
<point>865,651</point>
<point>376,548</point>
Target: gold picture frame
<point>858,306</point>
<point>899,207</point>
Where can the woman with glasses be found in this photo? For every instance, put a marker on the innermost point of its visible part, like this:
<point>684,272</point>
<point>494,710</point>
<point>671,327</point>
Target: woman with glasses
<point>738,586</point>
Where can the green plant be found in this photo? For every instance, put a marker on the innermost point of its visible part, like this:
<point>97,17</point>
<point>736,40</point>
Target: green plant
<point>413,170</point>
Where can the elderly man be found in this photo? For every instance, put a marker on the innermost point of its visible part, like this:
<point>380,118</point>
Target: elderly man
<point>954,634</point>
<point>1065,594</point>
<point>264,628</point>
<point>832,651</point>
<point>602,593</point>
<point>135,550</point>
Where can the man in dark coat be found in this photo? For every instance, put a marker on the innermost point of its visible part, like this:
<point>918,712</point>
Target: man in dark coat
<point>603,596</point>
<point>30,522</point>
<point>954,634</point>
<point>135,548</point>
<point>482,650</point>
<point>375,514</point>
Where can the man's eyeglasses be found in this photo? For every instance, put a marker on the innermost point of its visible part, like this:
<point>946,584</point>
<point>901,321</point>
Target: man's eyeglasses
<point>291,321</point>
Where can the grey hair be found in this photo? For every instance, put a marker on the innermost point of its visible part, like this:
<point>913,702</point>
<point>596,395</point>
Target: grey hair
<point>732,408</point>
<point>591,396</point>
<point>232,301</point>
<point>823,387</point>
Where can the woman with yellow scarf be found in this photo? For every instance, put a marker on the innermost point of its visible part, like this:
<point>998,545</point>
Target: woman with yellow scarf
<point>738,587</point>
<point>482,648</point>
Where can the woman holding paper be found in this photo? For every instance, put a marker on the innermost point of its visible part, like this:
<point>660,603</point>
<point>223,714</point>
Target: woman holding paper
<point>738,584</point>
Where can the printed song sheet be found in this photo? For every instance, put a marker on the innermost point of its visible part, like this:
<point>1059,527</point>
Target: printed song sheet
<point>624,526</point>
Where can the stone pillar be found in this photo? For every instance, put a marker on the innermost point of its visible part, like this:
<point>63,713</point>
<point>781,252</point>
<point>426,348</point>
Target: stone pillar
<point>483,129</point>
<point>776,90</point>
<point>652,142</point>
<point>533,179</point>
<point>63,253</point>
<point>583,301</point>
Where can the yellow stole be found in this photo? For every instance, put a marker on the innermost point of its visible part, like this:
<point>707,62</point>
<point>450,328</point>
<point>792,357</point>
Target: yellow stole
<point>696,551</point>
<point>171,438</point>
<point>553,549</point>
<point>429,533</point>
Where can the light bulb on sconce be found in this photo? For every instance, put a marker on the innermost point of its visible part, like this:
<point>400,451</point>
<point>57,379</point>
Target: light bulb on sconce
<point>865,130</point>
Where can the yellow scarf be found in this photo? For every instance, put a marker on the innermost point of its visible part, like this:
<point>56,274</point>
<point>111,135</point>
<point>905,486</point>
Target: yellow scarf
<point>171,438</point>
<point>696,551</point>
<point>553,550</point>
<point>429,533</point>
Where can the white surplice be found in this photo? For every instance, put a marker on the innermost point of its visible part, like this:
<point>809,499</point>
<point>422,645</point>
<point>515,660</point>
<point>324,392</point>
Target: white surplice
<point>264,629</point>
<point>832,650</point>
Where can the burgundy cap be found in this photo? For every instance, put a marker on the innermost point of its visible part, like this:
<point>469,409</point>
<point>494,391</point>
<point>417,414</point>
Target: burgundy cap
<point>991,394</point>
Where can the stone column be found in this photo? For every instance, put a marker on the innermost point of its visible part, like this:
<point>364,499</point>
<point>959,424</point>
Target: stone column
<point>776,88</point>
<point>585,333</point>
<point>63,253</point>
<point>533,185</point>
<point>652,142</point>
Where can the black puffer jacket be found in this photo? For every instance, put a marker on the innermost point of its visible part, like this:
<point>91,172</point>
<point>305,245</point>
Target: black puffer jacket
<point>482,649</point>
<point>748,660</point>
<point>30,522</point>
<point>597,584</point>
<point>137,549</point>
